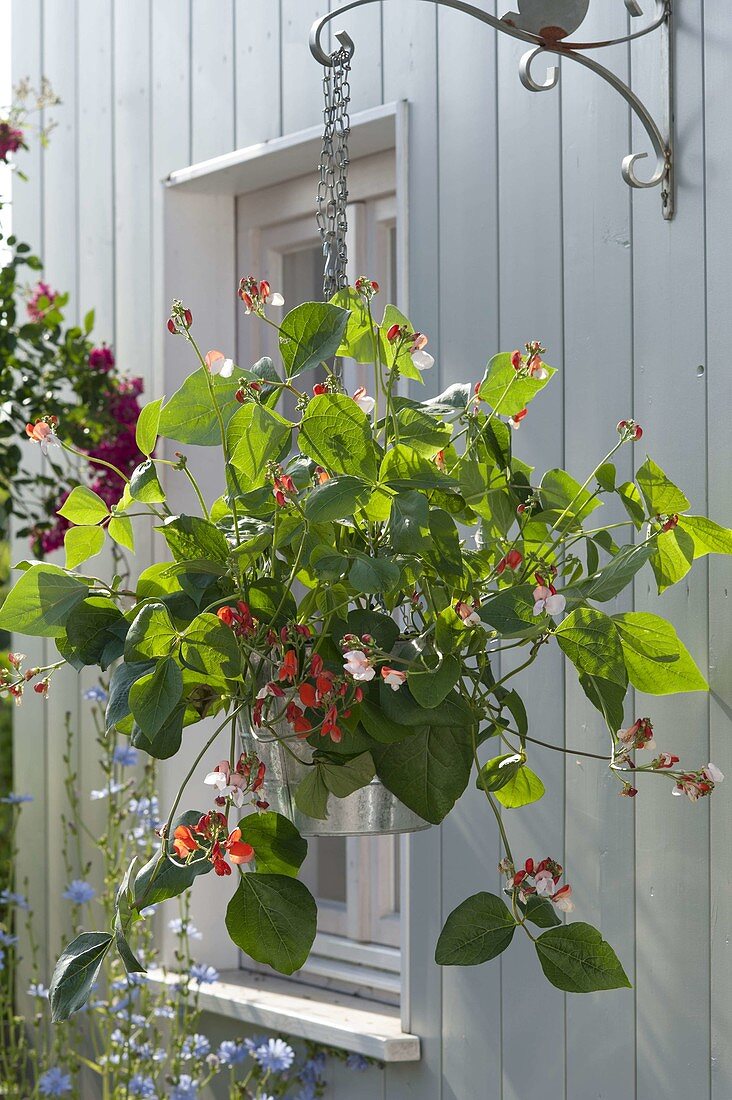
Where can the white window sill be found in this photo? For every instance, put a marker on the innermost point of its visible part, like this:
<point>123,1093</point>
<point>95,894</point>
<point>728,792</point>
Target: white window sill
<point>333,1019</point>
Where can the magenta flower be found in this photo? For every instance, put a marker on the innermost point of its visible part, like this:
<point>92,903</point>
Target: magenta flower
<point>101,358</point>
<point>42,293</point>
<point>10,141</point>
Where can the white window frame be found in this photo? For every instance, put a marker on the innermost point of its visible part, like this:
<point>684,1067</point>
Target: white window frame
<point>201,266</point>
<point>358,940</point>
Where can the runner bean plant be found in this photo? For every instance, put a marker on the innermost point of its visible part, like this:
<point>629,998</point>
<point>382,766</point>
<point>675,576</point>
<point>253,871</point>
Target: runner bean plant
<point>372,586</point>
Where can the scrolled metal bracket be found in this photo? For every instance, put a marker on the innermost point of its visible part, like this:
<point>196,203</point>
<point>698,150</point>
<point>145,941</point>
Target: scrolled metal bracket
<point>546,25</point>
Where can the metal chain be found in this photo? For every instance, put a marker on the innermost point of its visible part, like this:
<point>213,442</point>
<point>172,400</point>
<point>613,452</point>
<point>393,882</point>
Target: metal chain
<point>332,202</point>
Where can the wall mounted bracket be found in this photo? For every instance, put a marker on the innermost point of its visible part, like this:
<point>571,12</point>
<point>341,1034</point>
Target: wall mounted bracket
<point>547,25</point>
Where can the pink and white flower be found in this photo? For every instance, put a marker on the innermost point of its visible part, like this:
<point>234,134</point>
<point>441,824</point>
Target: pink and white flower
<point>219,777</point>
<point>217,363</point>
<point>696,785</point>
<point>358,665</point>
<point>42,433</point>
<point>639,735</point>
<point>421,358</point>
<point>563,899</point>
<point>468,614</point>
<point>226,783</point>
<point>546,598</point>
<point>393,677</point>
<point>365,403</point>
<point>713,773</point>
<point>545,884</point>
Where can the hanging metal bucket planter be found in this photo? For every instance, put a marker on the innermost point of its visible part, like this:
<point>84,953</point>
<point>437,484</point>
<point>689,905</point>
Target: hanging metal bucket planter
<point>370,811</point>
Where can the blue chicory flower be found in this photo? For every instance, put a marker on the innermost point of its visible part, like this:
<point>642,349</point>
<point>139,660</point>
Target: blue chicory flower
<point>143,1087</point>
<point>231,1053</point>
<point>186,1089</point>
<point>181,927</point>
<point>125,755</point>
<point>54,1082</point>
<point>37,989</point>
<point>357,1062</point>
<point>96,694</point>
<point>6,940</point>
<point>105,792</point>
<point>204,974</point>
<point>8,897</point>
<point>144,807</point>
<point>79,892</point>
<point>195,1046</point>
<point>275,1055</point>
<point>16,799</point>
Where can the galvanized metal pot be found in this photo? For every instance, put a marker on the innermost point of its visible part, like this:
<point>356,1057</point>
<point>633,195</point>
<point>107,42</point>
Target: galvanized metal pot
<point>370,811</point>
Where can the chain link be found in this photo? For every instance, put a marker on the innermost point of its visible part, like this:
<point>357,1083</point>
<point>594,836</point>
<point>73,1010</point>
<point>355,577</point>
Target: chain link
<point>332,203</point>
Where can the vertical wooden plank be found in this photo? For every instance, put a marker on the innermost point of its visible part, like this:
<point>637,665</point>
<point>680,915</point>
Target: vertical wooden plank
<point>599,845</point>
<point>171,148</point>
<point>96,291</point>
<point>212,91</point>
<point>258,86</point>
<point>718,146</point>
<point>410,62</point>
<point>96,164</point>
<point>530,259</point>
<point>132,170</point>
<point>301,75</point>
<point>368,1084</point>
<point>60,158</point>
<point>364,27</point>
<point>671,403</point>
<point>61,258</point>
<point>29,729</point>
<point>468,241</point>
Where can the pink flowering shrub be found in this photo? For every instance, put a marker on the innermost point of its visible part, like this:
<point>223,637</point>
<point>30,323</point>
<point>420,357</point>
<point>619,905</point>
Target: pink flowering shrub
<point>45,361</point>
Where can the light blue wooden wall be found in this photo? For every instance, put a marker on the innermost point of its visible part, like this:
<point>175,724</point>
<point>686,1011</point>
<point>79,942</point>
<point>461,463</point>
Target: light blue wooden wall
<point>520,228</point>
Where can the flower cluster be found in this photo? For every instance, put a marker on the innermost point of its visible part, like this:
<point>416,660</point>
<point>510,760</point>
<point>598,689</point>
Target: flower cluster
<point>43,432</point>
<point>210,839</point>
<point>256,294</point>
<point>323,698</point>
<point>41,300</point>
<point>11,140</point>
<point>402,337</point>
<point>638,736</point>
<point>234,784</point>
<point>629,431</point>
<point>15,680</point>
<point>180,320</point>
<point>16,126</point>
<point>114,454</point>
<point>539,880</point>
<point>547,599</point>
<point>366,287</point>
<point>696,785</point>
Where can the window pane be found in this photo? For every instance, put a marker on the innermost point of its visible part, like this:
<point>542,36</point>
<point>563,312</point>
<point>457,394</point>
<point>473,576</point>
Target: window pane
<point>302,276</point>
<point>397,874</point>
<point>331,875</point>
